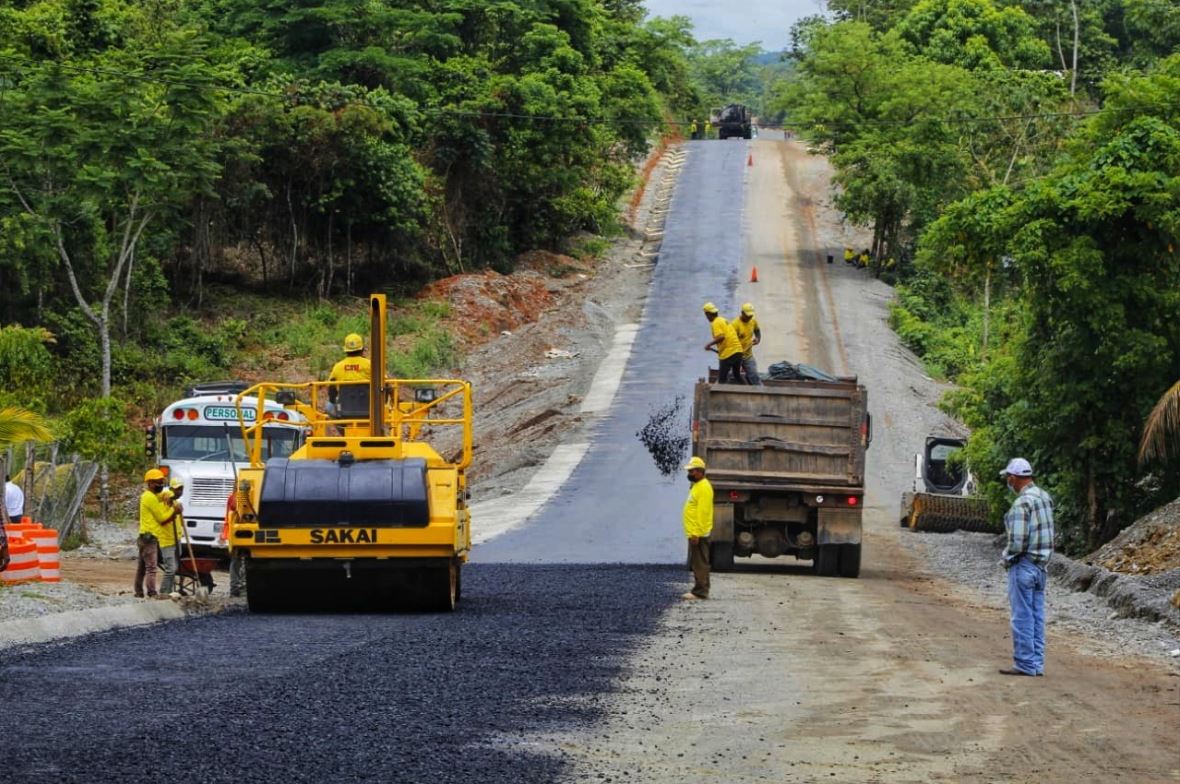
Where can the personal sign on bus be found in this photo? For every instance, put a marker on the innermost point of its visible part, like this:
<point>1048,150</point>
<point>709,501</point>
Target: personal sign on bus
<point>229,413</point>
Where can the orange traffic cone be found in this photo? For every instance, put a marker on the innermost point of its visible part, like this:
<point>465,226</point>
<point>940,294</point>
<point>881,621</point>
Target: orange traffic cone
<point>750,159</point>
<point>754,275</point>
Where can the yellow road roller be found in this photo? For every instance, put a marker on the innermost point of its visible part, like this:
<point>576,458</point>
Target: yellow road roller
<point>366,514</point>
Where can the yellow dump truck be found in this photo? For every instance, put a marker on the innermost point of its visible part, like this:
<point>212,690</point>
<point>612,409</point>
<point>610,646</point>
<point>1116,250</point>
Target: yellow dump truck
<point>367,513</point>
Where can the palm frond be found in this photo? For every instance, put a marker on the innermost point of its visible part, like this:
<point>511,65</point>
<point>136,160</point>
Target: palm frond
<point>18,425</point>
<point>1163,423</point>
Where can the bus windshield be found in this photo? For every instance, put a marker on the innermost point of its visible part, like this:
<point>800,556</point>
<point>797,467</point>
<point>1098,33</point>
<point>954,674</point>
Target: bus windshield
<point>223,444</point>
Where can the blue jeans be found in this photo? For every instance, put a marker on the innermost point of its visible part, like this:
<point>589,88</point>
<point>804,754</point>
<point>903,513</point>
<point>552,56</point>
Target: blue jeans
<point>750,368</point>
<point>1026,596</point>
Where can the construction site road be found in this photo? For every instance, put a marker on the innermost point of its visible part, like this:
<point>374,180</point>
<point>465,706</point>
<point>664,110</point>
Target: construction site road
<point>555,671</point>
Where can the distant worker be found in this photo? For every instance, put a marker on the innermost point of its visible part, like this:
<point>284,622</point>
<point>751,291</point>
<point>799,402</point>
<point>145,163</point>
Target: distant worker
<point>693,131</point>
<point>849,255</point>
<point>154,512</point>
<point>237,564</point>
<point>1029,526</point>
<point>14,500</point>
<point>354,366</point>
<point>170,536</point>
<point>708,128</point>
<point>865,258</point>
<point>749,335</point>
<point>725,342</point>
<point>698,524</point>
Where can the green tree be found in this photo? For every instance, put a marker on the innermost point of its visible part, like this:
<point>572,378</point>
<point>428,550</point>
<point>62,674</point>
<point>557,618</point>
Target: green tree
<point>1099,280</point>
<point>93,159</point>
<point>725,72</point>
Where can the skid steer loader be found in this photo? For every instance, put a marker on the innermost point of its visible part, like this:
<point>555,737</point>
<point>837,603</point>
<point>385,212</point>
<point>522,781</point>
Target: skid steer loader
<point>943,495</point>
<point>367,513</point>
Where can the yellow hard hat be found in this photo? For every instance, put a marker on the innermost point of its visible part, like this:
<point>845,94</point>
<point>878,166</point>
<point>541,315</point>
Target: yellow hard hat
<point>176,483</point>
<point>696,462</point>
<point>748,309</point>
<point>154,475</point>
<point>710,307</point>
<point>353,342</point>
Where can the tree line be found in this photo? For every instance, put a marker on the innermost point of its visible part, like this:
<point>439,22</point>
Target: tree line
<point>1019,165</point>
<point>152,153</point>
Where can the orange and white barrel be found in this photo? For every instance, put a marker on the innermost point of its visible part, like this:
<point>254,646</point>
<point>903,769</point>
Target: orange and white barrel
<point>23,565</point>
<point>48,554</point>
<point>21,529</point>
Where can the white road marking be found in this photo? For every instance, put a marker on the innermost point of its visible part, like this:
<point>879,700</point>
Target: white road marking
<point>610,372</point>
<point>499,515</point>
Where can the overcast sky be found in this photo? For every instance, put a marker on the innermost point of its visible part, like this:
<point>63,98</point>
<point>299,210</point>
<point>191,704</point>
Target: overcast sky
<point>744,21</point>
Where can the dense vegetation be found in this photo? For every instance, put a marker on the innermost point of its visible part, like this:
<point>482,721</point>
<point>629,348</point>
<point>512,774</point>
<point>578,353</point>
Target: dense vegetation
<point>159,159</point>
<point>1019,164</point>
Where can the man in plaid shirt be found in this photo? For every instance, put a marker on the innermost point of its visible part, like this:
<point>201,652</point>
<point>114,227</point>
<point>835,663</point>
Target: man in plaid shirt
<point>1030,544</point>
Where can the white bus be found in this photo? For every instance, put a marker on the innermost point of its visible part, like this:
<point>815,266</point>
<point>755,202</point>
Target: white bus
<point>199,439</point>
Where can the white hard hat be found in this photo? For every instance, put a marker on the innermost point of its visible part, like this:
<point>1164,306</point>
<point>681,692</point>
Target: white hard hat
<point>1017,466</point>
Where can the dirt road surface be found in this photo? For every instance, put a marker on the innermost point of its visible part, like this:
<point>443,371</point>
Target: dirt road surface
<point>786,677</point>
<point>559,671</point>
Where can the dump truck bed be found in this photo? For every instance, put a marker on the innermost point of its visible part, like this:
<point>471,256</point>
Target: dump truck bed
<point>800,435</point>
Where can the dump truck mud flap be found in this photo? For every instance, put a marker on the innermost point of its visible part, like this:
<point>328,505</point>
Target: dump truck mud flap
<point>722,523</point>
<point>838,526</point>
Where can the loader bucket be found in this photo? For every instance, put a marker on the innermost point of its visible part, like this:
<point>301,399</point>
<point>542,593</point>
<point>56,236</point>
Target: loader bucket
<point>946,513</point>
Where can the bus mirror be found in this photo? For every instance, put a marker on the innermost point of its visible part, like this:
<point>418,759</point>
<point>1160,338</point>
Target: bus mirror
<point>149,447</point>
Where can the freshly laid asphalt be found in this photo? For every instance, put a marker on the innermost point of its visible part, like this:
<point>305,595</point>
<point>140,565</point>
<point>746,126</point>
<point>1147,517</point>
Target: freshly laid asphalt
<point>616,507</point>
<point>550,611</point>
<point>317,698</point>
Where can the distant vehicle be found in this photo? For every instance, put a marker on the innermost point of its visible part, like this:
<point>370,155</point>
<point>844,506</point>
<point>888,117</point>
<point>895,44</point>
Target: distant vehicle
<point>787,464</point>
<point>735,120</point>
<point>199,440</point>
<point>943,496</point>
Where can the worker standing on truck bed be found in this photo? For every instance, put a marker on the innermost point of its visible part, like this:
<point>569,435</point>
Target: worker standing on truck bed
<point>354,366</point>
<point>698,524</point>
<point>749,335</point>
<point>727,345</point>
<point>1029,525</point>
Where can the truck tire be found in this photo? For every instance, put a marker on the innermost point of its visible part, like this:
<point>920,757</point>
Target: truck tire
<point>827,560</point>
<point>850,560</point>
<point>721,556</point>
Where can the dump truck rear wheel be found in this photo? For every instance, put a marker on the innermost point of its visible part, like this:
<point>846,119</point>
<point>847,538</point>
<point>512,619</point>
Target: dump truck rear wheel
<point>721,556</point>
<point>827,561</point>
<point>850,560</point>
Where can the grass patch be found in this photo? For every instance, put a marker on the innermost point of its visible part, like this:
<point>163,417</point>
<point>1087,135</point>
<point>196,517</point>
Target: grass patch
<point>589,248</point>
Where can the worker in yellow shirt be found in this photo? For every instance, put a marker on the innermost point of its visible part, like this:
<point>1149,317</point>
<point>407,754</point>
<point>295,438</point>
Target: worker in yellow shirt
<point>749,335</point>
<point>725,342</point>
<point>170,536</point>
<point>698,524</point>
<point>154,513</point>
<point>849,255</point>
<point>354,366</point>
